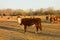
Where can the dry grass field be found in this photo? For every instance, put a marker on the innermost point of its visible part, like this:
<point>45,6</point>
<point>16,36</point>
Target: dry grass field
<point>9,30</point>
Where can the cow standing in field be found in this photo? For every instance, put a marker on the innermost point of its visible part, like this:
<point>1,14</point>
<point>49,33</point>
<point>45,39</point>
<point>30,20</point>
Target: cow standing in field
<point>31,21</point>
<point>53,19</point>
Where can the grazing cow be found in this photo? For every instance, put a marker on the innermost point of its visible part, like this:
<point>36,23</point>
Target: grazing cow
<point>31,21</point>
<point>58,17</point>
<point>53,19</point>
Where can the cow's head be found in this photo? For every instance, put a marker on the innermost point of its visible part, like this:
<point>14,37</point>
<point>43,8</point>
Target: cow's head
<point>19,20</point>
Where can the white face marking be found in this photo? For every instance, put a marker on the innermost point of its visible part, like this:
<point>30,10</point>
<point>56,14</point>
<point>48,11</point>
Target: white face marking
<point>19,20</point>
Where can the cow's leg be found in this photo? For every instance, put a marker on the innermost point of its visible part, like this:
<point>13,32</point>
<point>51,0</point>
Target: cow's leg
<point>36,29</point>
<point>25,28</point>
<point>40,27</point>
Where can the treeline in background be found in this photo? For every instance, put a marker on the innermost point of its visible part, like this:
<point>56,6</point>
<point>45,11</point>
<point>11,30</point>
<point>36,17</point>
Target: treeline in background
<point>29,12</point>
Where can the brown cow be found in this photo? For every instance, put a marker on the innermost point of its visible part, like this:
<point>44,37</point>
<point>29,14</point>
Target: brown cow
<point>31,21</point>
<point>53,19</point>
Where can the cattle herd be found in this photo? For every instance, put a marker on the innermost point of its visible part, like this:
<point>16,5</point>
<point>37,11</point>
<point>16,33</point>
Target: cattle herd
<point>34,21</point>
<point>54,19</point>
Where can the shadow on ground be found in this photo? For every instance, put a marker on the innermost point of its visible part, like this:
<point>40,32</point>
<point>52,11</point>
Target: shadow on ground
<point>22,31</point>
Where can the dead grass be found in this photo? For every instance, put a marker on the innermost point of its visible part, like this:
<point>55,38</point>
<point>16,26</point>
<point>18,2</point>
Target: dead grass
<point>10,31</point>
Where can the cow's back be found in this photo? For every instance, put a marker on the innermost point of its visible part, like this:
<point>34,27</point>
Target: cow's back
<point>37,20</point>
<point>30,21</point>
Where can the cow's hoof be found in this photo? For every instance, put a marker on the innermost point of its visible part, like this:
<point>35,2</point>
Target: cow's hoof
<point>24,32</point>
<point>36,32</point>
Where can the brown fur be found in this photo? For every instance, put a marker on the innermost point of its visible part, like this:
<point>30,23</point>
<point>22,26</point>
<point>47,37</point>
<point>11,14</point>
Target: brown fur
<point>31,21</point>
<point>54,19</point>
